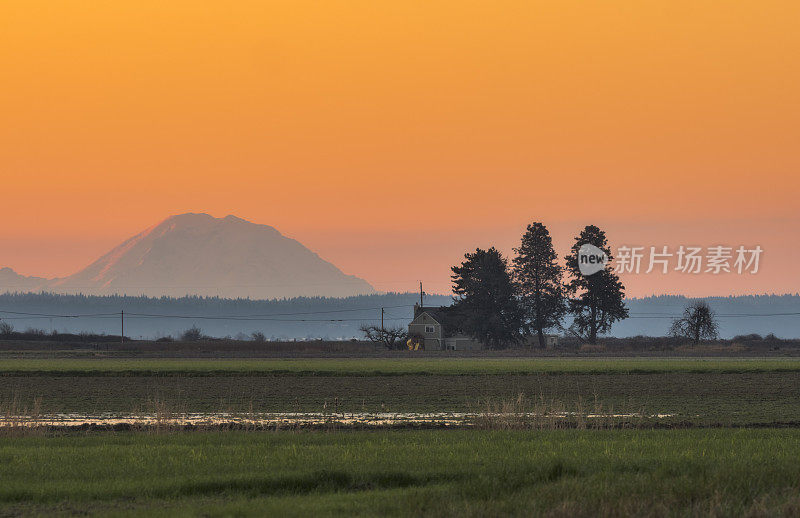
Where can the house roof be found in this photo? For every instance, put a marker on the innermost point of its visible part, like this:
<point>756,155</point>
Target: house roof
<point>442,315</point>
<point>438,313</point>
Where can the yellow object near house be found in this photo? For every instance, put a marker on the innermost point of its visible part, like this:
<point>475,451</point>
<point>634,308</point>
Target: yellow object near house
<point>413,344</point>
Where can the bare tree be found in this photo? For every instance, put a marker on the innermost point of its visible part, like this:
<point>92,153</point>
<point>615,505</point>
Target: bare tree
<point>259,337</point>
<point>697,323</point>
<point>391,338</point>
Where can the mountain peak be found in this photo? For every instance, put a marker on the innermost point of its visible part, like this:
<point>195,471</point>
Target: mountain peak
<point>195,219</point>
<point>198,254</point>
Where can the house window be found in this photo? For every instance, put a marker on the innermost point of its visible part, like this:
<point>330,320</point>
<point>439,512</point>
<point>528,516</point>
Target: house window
<point>430,329</point>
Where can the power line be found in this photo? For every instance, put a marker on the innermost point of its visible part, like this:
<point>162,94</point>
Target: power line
<point>312,320</point>
<point>116,315</point>
<point>723,315</point>
<point>49,315</point>
<point>249,319</point>
<point>760,315</point>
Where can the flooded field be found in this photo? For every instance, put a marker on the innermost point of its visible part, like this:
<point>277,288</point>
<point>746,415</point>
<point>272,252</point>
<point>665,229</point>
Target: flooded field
<point>304,419</point>
<point>683,398</point>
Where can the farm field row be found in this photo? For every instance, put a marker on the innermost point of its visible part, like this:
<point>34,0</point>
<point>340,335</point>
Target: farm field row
<point>721,472</point>
<point>685,398</point>
<point>391,366</point>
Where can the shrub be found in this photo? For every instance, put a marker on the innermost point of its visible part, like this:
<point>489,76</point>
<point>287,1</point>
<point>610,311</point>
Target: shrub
<point>592,348</point>
<point>748,338</point>
<point>6,329</point>
<point>193,334</point>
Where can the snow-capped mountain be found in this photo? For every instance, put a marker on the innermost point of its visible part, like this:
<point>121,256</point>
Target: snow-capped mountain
<point>197,254</point>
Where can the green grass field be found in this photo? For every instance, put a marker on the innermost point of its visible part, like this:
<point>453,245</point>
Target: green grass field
<point>392,366</point>
<point>457,473</point>
<point>731,449</point>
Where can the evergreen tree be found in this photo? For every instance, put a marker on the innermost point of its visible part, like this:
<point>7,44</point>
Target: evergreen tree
<point>538,278</point>
<point>596,301</point>
<point>486,306</point>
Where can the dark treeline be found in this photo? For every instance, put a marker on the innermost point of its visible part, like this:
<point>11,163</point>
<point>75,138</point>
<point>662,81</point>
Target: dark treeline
<point>501,304</point>
<point>502,301</point>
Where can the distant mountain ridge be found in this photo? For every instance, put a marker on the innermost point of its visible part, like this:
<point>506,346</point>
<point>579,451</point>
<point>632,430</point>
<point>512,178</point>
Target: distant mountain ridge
<point>198,254</point>
<point>12,281</point>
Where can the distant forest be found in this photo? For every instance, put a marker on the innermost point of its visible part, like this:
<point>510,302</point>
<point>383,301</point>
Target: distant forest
<point>340,318</point>
<point>297,318</point>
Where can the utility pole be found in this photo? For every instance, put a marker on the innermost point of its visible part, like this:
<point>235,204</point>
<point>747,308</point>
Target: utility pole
<point>122,327</point>
<point>420,294</point>
<point>382,328</point>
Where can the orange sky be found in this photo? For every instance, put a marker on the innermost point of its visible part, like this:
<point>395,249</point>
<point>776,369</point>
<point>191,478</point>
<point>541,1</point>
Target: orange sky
<point>392,136</point>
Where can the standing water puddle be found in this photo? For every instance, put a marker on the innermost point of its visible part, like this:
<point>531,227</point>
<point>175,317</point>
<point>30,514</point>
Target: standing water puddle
<point>293,419</point>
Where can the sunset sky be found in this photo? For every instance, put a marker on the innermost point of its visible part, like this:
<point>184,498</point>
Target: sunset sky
<point>391,137</point>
